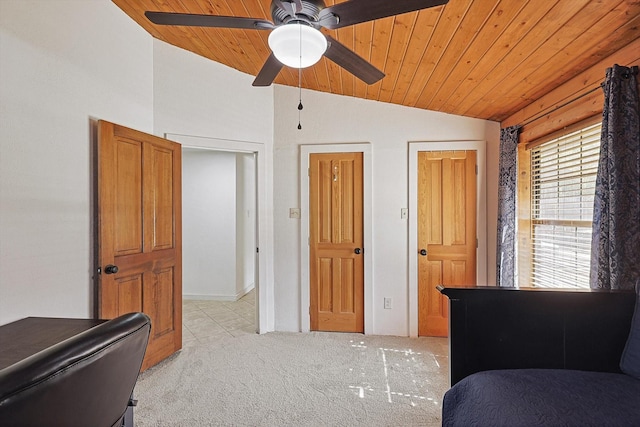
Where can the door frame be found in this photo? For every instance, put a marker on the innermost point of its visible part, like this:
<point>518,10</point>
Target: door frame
<point>265,306</point>
<point>305,151</point>
<point>481,215</point>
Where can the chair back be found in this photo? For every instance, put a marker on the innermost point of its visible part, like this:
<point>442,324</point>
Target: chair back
<point>86,380</point>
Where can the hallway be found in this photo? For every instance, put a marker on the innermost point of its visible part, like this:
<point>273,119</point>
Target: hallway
<point>206,321</point>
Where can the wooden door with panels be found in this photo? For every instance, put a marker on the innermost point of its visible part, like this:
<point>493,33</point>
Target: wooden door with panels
<point>447,239</point>
<point>140,233</point>
<point>336,265</point>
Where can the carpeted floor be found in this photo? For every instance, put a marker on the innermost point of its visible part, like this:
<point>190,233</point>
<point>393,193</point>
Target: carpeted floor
<point>290,379</point>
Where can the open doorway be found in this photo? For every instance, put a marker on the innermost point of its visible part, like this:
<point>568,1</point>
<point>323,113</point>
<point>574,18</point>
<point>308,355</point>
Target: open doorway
<point>244,165</point>
<point>219,242</point>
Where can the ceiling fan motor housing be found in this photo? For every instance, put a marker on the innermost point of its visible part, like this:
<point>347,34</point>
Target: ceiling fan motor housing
<point>310,12</point>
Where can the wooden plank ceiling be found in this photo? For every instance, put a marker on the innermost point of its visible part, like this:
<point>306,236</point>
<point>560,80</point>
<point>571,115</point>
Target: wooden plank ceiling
<point>476,58</point>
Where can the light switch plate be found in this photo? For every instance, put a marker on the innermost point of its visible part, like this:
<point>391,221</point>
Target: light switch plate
<point>294,213</point>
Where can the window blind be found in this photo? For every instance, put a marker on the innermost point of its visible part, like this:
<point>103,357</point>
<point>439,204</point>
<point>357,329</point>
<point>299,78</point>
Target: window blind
<point>563,175</point>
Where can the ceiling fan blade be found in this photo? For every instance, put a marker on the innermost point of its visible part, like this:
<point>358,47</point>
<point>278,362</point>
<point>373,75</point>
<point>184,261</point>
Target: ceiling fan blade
<point>284,6</point>
<point>269,72</point>
<point>357,11</point>
<point>191,20</point>
<point>350,61</point>
<point>298,4</point>
<point>290,6</point>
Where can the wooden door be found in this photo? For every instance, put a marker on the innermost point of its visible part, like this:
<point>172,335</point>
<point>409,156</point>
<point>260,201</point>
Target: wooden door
<point>446,232</point>
<point>140,233</point>
<point>336,242</point>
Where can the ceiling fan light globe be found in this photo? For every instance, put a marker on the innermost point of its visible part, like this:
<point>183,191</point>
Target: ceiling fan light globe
<point>285,41</point>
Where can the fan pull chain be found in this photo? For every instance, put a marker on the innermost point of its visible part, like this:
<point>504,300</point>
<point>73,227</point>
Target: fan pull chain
<point>300,107</point>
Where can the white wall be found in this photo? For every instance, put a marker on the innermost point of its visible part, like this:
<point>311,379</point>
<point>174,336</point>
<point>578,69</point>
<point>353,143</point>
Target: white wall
<point>62,65</point>
<point>219,224</point>
<point>196,96</point>
<point>208,224</point>
<point>329,119</point>
<point>245,223</point>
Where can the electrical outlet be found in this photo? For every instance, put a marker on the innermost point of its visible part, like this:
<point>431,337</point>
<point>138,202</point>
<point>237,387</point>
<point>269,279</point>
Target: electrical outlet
<point>387,303</point>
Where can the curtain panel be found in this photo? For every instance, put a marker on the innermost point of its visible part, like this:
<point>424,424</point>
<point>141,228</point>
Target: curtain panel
<point>615,242</point>
<point>507,192</point>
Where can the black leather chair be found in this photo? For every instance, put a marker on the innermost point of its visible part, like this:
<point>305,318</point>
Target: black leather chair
<point>85,381</point>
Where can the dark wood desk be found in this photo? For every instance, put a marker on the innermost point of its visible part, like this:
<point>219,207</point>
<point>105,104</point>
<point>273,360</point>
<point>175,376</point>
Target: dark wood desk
<point>25,337</point>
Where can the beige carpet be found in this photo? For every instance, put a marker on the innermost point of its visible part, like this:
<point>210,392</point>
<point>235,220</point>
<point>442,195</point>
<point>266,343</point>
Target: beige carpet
<point>289,379</point>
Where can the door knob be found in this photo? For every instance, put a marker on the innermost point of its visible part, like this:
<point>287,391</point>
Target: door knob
<point>111,269</point>
<point>357,251</point>
<point>423,252</point>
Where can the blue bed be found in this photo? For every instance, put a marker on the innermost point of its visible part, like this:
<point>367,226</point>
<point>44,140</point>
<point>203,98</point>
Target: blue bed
<point>550,358</point>
<point>543,397</point>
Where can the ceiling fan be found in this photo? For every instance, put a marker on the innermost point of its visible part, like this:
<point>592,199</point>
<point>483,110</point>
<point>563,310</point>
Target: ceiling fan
<point>296,40</point>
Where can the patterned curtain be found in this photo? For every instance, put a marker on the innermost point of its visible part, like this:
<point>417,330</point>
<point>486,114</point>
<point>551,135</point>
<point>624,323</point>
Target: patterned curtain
<point>615,244</point>
<point>507,192</point>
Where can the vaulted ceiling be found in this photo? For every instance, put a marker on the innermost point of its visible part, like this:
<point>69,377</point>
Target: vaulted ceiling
<point>476,58</point>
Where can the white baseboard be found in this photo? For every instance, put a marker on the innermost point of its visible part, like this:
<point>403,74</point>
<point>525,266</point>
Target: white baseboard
<point>209,297</point>
<point>206,297</point>
<point>246,290</point>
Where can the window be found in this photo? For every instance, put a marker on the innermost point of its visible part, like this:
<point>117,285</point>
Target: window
<point>563,175</point>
